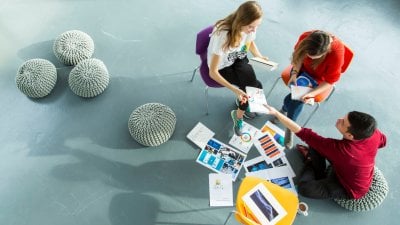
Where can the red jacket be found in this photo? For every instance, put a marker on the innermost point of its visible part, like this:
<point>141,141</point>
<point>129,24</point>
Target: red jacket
<point>330,69</point>
<point>352,160</point>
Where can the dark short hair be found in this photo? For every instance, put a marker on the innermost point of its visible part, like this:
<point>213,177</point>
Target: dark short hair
<point>362,125</point>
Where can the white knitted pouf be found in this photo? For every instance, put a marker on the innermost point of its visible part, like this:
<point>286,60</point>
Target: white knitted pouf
<point>375,196</point>
<point>152,124</point>
<point>89,78</point>
<point>73,46</point>
<point>36,78</point>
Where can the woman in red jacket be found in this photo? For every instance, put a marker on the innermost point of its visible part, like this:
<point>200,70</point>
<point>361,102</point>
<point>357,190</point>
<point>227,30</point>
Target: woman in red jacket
<point>317,58</point>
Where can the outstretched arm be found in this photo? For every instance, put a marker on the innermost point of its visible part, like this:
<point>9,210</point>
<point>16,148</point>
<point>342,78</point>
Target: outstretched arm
<point>290,124</point>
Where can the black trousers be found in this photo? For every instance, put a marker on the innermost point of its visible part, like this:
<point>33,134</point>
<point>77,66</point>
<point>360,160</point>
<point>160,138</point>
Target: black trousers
<point>318,182</point>
<point>241,74</point>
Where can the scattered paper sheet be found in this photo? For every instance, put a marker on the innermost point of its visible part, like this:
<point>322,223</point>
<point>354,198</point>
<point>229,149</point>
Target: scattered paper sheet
<point>221,158</point>
<point>277,133</point>
<point>268,147</point>
<point>245,142</point>
<point>221,193</point>
<point>200,135</point>
<point>277,175</point>
<point>256,61</point>
<point>259,163</point>
<point>256,100</point>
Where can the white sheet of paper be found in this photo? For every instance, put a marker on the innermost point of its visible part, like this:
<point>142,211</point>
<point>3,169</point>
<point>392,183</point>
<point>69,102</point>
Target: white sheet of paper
<point>221,192</point>
<point>268,147</point>
<point>299,91</point>
<point>277,175</point>
<point>256,100</point>
<point>200,135</point>
<point>244,142</point>
<point>256,61</point>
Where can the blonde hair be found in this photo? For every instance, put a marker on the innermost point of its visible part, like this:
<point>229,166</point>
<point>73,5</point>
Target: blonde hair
<point>247,13</point>
<point>317,43</point>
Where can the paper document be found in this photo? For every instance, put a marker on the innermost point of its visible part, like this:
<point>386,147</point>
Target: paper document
<point>257,61</point>
<point>299,91</point>
<point>256,100</point>
<point>200,135</point>
<point>244,142</point>
<point>221,192</point>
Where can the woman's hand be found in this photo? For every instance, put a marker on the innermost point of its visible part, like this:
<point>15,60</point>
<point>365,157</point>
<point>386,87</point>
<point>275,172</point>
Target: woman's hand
<point>308,98</point>
<point>241,95</point>
<point>292,80</point>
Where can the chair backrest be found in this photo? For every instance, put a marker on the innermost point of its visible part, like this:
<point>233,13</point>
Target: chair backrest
<point>348,57</point>
<point>202,41</point>
<point>287,199</point>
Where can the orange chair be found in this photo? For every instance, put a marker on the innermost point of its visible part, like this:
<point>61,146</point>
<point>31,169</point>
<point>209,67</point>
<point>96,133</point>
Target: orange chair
<point>324,96</point>
<point>287,199</point>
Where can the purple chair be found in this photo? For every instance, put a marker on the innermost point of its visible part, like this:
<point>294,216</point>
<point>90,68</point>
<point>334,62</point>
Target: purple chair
<point>202,41</point>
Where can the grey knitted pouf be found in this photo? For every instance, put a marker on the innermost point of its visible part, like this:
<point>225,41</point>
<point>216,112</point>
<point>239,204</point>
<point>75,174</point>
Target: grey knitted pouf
<point>375,196</point>
<point>73,46</point>
<point>36,78</point>
<point>152,124</point>
<point>89,78</point>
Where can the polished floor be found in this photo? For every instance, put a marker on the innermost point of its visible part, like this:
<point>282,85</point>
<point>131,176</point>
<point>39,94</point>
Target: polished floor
<point>68,160</point>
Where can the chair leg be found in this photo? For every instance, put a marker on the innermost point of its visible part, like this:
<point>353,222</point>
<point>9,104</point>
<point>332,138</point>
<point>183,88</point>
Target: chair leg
<point>194,73</point>
<point>312,114</point>
<point>229,216</point>
<point>206,93</point>
<point>272,88</point>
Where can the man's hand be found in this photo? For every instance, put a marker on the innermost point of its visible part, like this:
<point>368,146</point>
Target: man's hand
<point>271,110</point>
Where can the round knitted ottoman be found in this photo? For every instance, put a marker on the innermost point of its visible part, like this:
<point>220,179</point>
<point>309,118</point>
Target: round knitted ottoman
<point>36,78</point>
<point>375,196</point>
<point>73,46</point>
<point>152,124</point>
<point>89,78</point>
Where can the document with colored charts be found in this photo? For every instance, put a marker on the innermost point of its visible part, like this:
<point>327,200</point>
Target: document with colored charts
<point>268,147</point>
<point>256,100</point>
<point>246,140</point>
<point>221,158</point>
<point>277,133</point>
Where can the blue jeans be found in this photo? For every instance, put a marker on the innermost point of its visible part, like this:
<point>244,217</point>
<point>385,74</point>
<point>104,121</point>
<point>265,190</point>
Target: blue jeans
<point>292,107</point>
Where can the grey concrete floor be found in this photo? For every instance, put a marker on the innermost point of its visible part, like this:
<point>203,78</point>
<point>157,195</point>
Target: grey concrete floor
<point>69,160</point>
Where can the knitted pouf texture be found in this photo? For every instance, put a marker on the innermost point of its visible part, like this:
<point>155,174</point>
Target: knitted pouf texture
<point>375,196</point>
<point>73,46</point>
<point>36,78</point>
<point>89,78</point>
<point>152,124</point>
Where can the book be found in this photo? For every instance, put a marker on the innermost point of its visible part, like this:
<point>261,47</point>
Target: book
<point>256,100</point>
<point>221,191</point>
<point>221,158</point>
<point>257,61</point>
<point>263,205</point>
<point>245,141</point>
<point>200,135</point>
<point>298,91</point>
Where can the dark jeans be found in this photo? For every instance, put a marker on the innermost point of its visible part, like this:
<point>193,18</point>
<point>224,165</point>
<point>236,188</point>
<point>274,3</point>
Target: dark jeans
<point>316,182</point>
<point>292,107</point>
<point>241,74</point>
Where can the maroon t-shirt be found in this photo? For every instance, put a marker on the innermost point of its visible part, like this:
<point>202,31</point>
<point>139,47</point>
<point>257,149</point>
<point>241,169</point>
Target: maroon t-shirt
<point>352,160</point>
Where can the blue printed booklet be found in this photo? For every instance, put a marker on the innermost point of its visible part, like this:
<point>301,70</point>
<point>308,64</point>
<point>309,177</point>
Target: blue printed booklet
<point>221,158</point>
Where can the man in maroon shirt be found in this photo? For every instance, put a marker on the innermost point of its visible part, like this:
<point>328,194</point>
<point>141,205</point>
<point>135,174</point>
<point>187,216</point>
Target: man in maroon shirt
<point>352,158</point>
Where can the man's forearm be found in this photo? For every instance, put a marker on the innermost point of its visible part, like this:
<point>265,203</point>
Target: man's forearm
<point>290,124</point>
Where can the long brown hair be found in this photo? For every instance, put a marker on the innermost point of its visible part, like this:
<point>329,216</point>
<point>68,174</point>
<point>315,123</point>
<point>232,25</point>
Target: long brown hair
<point>247,13</point>
<point>317,43</point>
